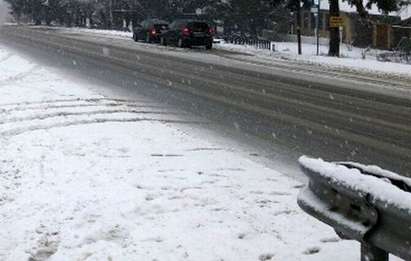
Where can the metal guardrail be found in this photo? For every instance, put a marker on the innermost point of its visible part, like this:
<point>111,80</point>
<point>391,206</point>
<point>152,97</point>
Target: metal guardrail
<point>339,195</point>
<point>257,43</point>
<point>400,54</point>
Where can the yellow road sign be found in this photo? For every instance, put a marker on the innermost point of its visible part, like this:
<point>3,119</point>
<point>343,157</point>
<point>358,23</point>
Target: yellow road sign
<point>336,21</point>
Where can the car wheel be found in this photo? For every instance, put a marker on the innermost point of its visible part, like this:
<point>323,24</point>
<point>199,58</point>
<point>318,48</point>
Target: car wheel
<point>180,43</point>
<point>135,38</point>
<point>209,46</point>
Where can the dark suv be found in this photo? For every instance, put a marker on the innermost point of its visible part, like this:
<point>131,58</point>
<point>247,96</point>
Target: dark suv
<point>187,33</point>
<point>149,30</point>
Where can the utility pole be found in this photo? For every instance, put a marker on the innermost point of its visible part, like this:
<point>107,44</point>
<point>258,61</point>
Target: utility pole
<point>334,29</point>
<point>299,27</point>
<point>317,21</point>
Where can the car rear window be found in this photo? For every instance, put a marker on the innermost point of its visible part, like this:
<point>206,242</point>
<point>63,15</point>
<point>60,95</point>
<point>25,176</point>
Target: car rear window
<point>198,27</point>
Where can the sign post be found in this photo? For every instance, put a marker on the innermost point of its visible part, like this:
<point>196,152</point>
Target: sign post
<point>300,51</point>
<point>338,22</point>
<point>316,11</point>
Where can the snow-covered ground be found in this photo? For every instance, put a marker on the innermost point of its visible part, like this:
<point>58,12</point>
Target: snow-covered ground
<point>88,177</point>
<point>351,57</point>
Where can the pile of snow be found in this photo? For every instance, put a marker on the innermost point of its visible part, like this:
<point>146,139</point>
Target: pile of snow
<point>88,177</point>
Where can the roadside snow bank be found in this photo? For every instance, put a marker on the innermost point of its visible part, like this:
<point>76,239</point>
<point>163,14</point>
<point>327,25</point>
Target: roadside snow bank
<point>351,57</point>
<point>97,31</point>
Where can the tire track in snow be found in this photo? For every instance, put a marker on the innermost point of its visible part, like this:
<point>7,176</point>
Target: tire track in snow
<point>19,76</point>
<point>18,131</point>
<point>73,100</point>
<point>47,114</point>
<point>86,113</point>
<point>80,105</point>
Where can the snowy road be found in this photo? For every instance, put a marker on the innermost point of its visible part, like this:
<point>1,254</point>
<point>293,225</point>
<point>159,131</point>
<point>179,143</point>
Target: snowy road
<point>333,115</point>
<point>90,177</point>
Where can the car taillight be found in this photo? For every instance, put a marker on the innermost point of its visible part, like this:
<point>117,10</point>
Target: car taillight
<point>211,31</point>
<point>186,31</point>
<point>153,31</point>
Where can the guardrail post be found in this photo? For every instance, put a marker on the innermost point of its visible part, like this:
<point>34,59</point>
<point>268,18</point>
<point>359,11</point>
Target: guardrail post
<point>372,253</point>
<point>272,47</point>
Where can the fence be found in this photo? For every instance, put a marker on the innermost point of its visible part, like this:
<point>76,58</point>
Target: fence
<point>307,39</point>
<point>400,54</point>
<point>257,43</point>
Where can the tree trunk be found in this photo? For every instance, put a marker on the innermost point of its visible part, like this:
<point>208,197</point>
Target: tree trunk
<point>334,31</point>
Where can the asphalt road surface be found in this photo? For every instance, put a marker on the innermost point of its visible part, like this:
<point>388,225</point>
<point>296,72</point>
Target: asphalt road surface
<point>330,113</point>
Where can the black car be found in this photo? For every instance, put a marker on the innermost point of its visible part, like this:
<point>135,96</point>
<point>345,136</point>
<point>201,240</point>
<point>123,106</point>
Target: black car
<point>149,30</point>
<point>187,33</point>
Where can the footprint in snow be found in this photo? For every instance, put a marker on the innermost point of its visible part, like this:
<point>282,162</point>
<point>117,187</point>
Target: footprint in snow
<point>166,155</point>
<point>217,175</point>
<point>279,193</point>
<point>312,251</point>
<point>218,209</point>
<point>153,239</point>
<point>205,149</point>
<point>330,240</point>
<point>170,170</point>
<point>168,188</point>
<point>265,202</point>
<point>123,150</point>
<point>230,169</point>
<point>266,257</point>
<point>209,182</point>
<point>46,245</point>
<point>175,198</point>
<point>138,186</point>
<point>149,198</point>
<point>256,192</point>
<point>284,212</point>
<point>190,188</point>
<point>241,236</point>
<point>300,186</point>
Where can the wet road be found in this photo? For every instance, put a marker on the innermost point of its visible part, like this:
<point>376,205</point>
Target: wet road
<point>305,109</point>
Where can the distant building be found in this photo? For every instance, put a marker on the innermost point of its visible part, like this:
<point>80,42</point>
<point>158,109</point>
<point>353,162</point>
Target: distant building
<point>380,31</point>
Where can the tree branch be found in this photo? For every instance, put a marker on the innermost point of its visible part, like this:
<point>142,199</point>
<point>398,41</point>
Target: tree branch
<point>363,13</point>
